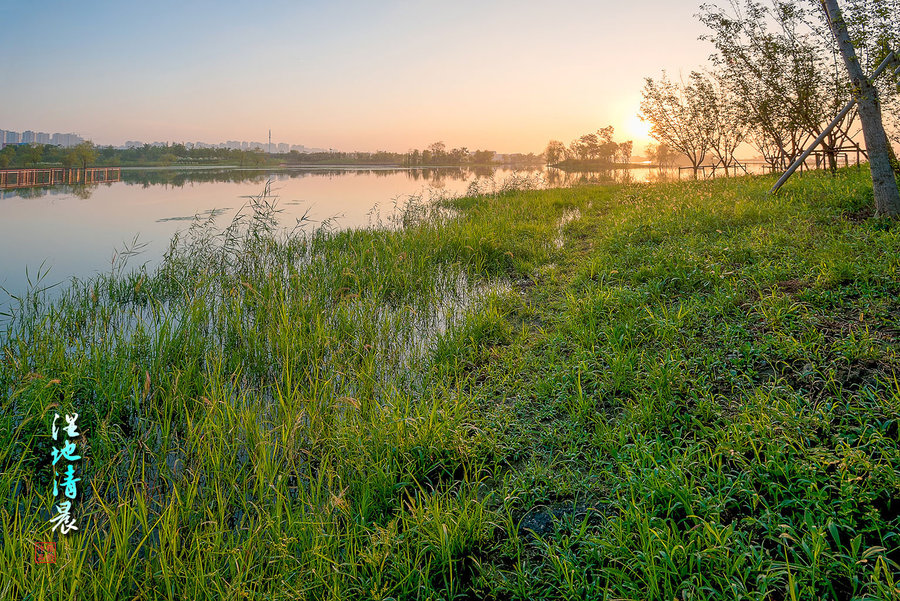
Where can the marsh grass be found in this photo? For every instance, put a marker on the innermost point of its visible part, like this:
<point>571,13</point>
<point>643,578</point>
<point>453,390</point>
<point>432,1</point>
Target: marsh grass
<point>682,390</point>
<point>262,414</point>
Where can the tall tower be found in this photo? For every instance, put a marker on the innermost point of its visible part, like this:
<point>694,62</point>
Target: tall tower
<point>270,141</point>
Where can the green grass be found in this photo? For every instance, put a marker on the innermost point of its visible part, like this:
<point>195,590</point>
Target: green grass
<point>683,390</point>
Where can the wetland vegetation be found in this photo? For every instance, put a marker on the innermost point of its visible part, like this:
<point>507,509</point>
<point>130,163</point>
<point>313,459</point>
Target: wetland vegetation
<point>680,390</point>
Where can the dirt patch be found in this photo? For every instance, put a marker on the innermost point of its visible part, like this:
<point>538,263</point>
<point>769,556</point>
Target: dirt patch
<point>792,286</point>
<point>544,520</point>
<point>859,215</point>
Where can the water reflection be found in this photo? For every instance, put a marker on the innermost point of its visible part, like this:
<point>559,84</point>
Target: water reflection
<point>436,177</point>
<point>75,229</point>
<point>82,191</point>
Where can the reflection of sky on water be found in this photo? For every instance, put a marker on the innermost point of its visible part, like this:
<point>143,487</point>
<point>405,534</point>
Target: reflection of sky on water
<point>74,231</point>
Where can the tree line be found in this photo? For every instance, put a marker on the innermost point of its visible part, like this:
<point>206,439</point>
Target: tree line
<point>595,149</point>
<point>86,153</point>
<point>34,155</point>
<point>781,72</point>
<point>437,153</point>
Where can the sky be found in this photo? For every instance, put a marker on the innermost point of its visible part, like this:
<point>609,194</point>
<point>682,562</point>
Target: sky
<point>388,75</point>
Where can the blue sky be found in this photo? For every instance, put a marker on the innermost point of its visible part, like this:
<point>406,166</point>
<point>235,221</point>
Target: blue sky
<point>352,75</point>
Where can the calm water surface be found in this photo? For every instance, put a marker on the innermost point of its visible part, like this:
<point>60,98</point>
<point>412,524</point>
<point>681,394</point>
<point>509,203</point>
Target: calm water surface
<point>75,231</point>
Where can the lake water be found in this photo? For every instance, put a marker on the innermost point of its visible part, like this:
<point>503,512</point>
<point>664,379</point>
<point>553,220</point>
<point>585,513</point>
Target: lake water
<point>74,231</point>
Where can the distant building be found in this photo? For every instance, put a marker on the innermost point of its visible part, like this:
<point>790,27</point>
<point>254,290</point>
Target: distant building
<point>66,140</point>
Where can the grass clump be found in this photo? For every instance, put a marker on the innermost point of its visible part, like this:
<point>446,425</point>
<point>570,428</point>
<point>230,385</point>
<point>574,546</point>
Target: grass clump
<point>683,390</point>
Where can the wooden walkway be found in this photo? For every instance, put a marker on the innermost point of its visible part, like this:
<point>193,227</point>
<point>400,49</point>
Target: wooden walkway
<point>30,178</point>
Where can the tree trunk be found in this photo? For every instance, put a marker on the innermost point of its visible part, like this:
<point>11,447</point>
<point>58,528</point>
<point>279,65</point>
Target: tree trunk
<point>895,164</point>
<point>887,197</point>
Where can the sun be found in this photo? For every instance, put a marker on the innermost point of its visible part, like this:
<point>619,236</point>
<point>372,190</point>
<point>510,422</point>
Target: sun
<point>637,129</point>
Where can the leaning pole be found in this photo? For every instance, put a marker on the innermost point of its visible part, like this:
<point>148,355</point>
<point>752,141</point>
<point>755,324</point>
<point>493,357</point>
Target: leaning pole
<point>891,57</point>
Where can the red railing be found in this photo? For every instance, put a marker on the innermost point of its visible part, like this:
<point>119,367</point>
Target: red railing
<point>30,178</point>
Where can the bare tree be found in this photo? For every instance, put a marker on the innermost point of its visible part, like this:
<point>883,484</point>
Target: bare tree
<point>887,197</point>
<point>678,117</point>
<point>725,114</point>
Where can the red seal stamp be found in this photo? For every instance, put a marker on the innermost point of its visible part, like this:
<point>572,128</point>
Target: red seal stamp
<point>45,552</point>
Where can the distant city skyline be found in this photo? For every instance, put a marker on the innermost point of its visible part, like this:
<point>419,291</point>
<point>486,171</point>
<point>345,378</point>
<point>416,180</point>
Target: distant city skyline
<point>71,139</point>
<point>351,75</point>
<point>39,137</point>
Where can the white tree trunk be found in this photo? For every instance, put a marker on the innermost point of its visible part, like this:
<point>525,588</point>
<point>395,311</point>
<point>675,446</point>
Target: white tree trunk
<point>887,197</point>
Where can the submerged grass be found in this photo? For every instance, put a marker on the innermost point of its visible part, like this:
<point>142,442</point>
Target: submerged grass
<point>682,390</point>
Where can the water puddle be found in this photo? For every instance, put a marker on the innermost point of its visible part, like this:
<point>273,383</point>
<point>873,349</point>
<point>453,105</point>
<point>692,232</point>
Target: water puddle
<point>568,216</point>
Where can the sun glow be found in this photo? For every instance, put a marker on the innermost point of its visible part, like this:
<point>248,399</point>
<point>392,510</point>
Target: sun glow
<point>638,130</point>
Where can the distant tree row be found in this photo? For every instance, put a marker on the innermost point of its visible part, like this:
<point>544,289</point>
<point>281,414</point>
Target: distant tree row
<point>661,155</point>
<point>34,155</point>
<point>30,155</point>
<point>86,154</point>
<point>597,148</point>
<point>438,154</point>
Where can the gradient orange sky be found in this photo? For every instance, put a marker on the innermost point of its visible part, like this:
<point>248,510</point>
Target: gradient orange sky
<point>506,76</point>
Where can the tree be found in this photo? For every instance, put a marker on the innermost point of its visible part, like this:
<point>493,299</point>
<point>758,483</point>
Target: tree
<point>458,156</point>
<point>555,152</point>
<point>579,149</point>
<point>677,117</point>
<point>33,155</point>
<point>590,145</point>
<point>6,156</point>
<point>665,158</point>
<point>83,154</point>
<point>483,157</point>
<point>874,27</point>
<point>246,157</point>
<point>625,150</point>
<point>438,151</point>
<point>773,60</point>
<point>607,148</point>
<point>660,155</point>
<point>887,197</point>
<point>724,113</point>
<point>69,160</point>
